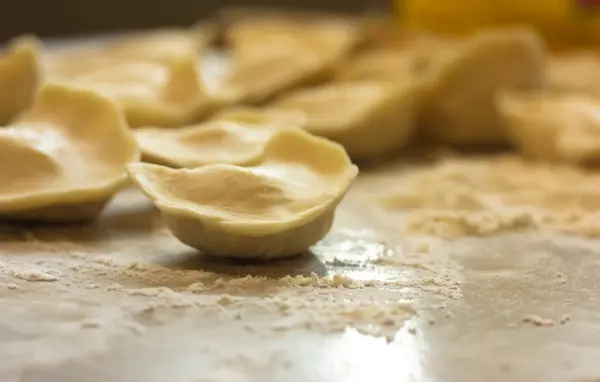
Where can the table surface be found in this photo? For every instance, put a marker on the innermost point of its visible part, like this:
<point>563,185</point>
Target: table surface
<point>122,300</point>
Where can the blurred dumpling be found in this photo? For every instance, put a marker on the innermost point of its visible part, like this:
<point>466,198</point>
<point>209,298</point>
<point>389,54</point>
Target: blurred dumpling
<point>19,77</point>
<point>369,118</point>
<point>462,85</point>
<point>63,159</point>
<point>271,55</point>
<point>554,127</point>
<point>275,209</point>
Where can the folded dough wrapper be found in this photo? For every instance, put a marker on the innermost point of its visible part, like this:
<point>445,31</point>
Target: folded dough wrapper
<point>20,68</point>
<point>276,208</point>
<point>462,85</point>
<point>370,119</point>
<point>63,159</point>
<point>276,55</point>
<point>154,77</point>
<point>237,137</point>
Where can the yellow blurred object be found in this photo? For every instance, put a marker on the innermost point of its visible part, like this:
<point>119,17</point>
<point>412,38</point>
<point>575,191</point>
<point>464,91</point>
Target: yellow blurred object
<point>561,21</point>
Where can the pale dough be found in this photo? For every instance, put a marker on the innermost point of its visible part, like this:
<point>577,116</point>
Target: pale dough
<point>277,208</point>
<point>63,159</point>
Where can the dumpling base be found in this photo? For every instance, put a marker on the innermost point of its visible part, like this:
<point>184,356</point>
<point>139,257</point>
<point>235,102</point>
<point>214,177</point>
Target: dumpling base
<point>213,241</point>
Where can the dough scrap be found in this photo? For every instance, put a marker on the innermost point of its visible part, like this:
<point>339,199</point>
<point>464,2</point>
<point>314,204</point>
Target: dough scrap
<point>153,77</point>
<point>63,159</point>
<point>459,103</point>
<point>19,77</point>
<point>236,137</point>
<point>271,55</point>
<point>277,208</point>
<point>369,118</point>
<point>554,127</point>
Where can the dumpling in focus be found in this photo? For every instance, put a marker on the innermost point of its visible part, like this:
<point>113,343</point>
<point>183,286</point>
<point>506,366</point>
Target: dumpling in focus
<point>459,102</point>
<point>278,208</point>
<point>64,159</point>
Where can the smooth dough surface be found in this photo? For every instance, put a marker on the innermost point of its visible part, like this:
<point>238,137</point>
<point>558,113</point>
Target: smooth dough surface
<point>369,118</point>
<point>154,77</point>
<point>236,137</point>
<point>554,126</point>
<point>459,104</point>
<point>65,157</point>
<point>577,72</point>
<point>273,55</point>
<point>19,77</point>
<point>277,208</point>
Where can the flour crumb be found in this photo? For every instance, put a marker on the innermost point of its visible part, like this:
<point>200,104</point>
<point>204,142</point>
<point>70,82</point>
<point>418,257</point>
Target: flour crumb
<point>197,287</point>
<point>92,324</point>
<point>153,292</point>
<point>564,319</point>
<point>106,261</point>
<point>12,286</point>
<point>536,320</point>
<point>225,300</point>
<point>34,275</point>
<point>422,247</point>
<point>134,327</point>
<point>114,287</point>
<point>92,286</point>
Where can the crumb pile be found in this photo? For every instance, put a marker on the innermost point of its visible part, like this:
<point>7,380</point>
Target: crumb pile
<point>483,196</point>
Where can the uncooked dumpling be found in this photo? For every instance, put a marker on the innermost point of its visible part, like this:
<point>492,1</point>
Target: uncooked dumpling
<point>274,55</point>
<point>576,72</point>
<point>459,105</point>
<point>152,93</point>
<point>554,127</point>
<point>369,118</point>
<point>19,77</point>
<point>154,76</point>
<point>63,159</point>
<point>392,59</point>
<point>235,137</point>
<point>275,209</point>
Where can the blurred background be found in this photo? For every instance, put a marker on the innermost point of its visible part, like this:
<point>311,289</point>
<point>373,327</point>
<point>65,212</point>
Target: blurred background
<point>66,17</point>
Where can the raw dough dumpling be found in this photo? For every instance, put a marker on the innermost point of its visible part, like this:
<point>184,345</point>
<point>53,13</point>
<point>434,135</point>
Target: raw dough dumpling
<point>63,159</point>
<point>274,55</point>
<point>19,77</point>
<point>369,118</point>
<point>576,72</point>
<point>275,209</point>
<point>459,104</point>
<point>152,93</point>
<point>554,127</point>
<point>261,116</point>
<point>163,45</point>
<point>390,54</point>
<point>236,137</point>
